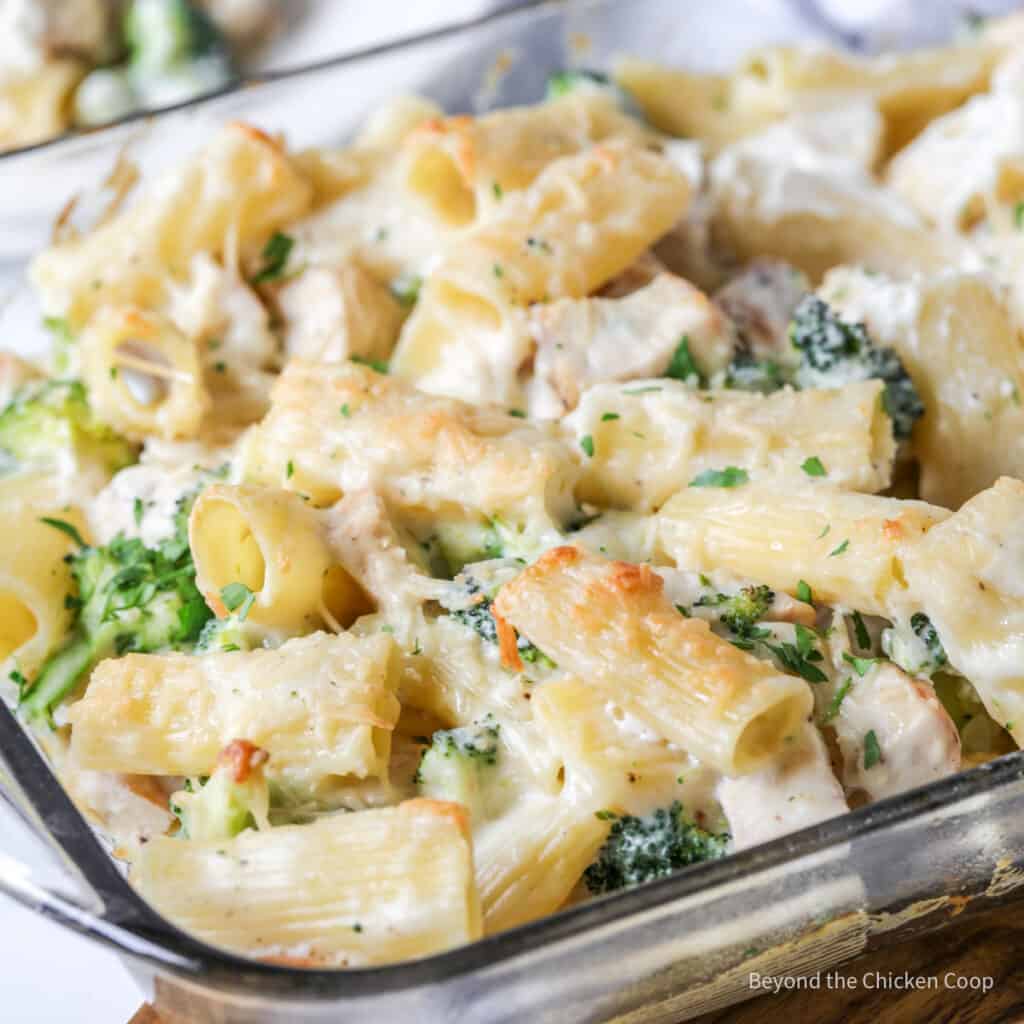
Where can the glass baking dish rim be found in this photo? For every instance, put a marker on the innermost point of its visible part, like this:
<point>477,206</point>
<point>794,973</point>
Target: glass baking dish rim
<point>229,971</point>
<point>270,79</point>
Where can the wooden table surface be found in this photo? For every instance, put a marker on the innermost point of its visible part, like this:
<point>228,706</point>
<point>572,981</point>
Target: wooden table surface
<point>990,945</point>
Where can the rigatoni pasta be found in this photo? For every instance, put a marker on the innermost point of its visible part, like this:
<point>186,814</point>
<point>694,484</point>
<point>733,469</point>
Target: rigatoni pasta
<point>348,890</point>
<point>332,429</point>
<point>612,619</point>
<point>321,706</point>
<point>34,579</point>
<point>530,504</point>
<point>849,548</point>
<point>652,438</point>
<point>622,195</point>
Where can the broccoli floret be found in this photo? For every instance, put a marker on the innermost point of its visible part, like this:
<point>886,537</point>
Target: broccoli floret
<point>741,612</point>
<point>834,352</point>
<point>479,618</point>
<point>916,647</point>
<point>49,422</point>
<point>129,598</point>
<point>459,763</point>
<point>228,634</point>
<point>163,33</point>
<point>235,797</point>
<point>564,82</point>
<point>642,849</point>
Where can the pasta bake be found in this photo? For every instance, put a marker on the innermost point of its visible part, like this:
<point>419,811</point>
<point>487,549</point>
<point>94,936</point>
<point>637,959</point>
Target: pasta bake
<point>408,540</point>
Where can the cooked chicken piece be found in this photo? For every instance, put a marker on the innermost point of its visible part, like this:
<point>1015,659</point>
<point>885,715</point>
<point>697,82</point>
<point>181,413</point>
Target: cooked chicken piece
<point>581,342</point>
<point>334,314</point>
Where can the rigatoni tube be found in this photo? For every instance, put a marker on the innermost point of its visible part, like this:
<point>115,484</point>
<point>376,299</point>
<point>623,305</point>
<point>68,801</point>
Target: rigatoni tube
<point>34,581</point>
<point>271,542</point>
<point>848,547</point>
<point>611,623</point>
<point>370,887</point>
<point>651,438</point>
<point>322,706</point>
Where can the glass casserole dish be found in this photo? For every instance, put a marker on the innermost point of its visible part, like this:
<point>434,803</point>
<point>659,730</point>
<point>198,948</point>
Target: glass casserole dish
<point>666,951</point>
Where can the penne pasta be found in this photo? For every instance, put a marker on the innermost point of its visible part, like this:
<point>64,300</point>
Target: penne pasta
<point>964,575</point>
<point>958,339</point>
<point>345,427</point>
<point>34,577</point>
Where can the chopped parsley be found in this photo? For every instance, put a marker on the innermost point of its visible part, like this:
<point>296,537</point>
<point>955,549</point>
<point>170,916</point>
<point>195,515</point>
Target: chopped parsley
<point>64,527</point>
<point>862,666</point>
<point>872,751</point>
<point>813,466</point>
<point>587,444</point>
<point>803,592</point>
<point>731,476</point>
<point>138,511</point>
<point>607,417</point>
<point>681,366</point>
<point>860,632</point>
<point>377,365</point>
<point>289,470</point>
<point>837,700</point>
<point>275,257</point>
<point>237,597</point>
<point>799,658</point>
<point>839,549</point>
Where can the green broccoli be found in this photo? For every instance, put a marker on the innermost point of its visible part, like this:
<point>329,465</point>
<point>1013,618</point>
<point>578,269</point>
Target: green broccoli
<point>130,598</point>
<point>162,34</point>
<point>834,352</point>
<point>229,634</point>
<point>49,422</point>
<point>741,612</point>
<point>235,797</point>
<point>916,647</point>
<point>642,849</point>
<point>564,82</point>
<point>459,763</point>
<point>479,618</point>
